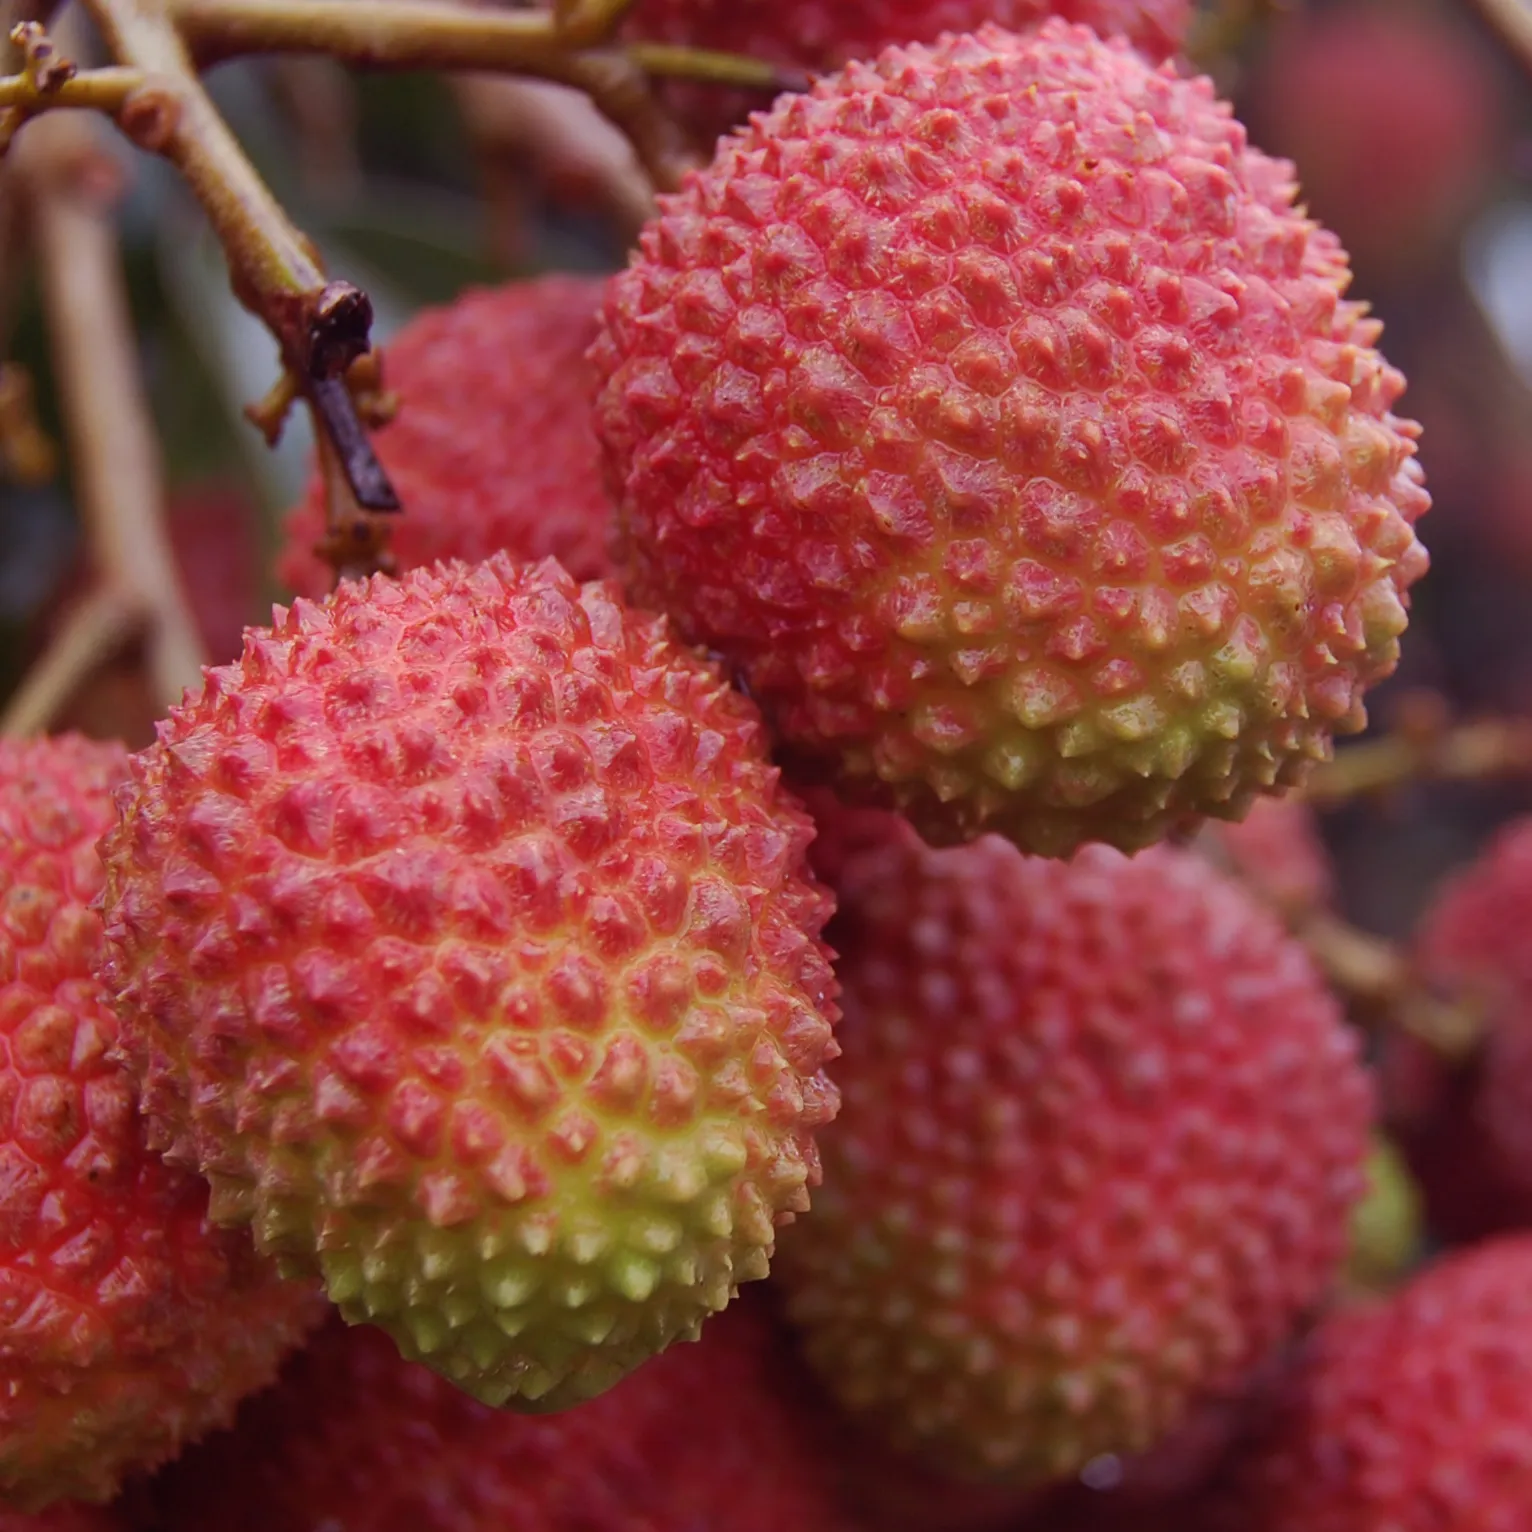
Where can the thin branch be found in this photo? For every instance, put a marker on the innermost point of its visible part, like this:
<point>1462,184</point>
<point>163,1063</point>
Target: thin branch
<point>1470,752</point>
<point>532,131</point>
<point>322,326</point>
<point>1512,22</point>
<point>111,434</point>
<point>451,36</point>
<point>588,23</point>
<point>95,629</point>
<point>1381,983</point>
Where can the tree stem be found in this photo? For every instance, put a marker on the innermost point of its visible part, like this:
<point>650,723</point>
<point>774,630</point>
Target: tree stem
<point>95,629</point>
<point>111,433</point>
<point>1470,752</point>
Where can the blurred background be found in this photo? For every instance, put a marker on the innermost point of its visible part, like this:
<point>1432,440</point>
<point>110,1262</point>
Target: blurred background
<point>1409,118</point>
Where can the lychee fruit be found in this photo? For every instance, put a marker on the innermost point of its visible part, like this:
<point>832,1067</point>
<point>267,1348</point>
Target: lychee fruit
<point>1278,852</point>
<point>1411,1414</point>
<point>994,412</point>
<point>1102,1131</point>
<point>820,35</point>
<point>1466,1125</point>
<point>131,1325</point>
<point>1394,113</point>
<point>492,447</point>
<point>353,1436</point>
<point>464,940</point>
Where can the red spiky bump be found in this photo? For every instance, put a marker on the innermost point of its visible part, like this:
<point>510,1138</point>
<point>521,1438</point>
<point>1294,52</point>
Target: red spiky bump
<point>465,941</point>
<point>492,448</point>
<point>699,1440</point>
<point>1101,1133</point>
<point>130,1324</point>
<point>994,411</point>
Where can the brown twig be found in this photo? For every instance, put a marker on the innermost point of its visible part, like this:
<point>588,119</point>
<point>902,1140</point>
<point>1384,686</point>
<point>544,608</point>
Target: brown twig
<point>322,326</point>
<point>452,36</point>
<point>110,431</point>
<point>587,23</point>
<point>1470,752</point>
<point>95,629</point>
<point>1512,23</point>
<point>1383,988</point>
<point>534,133</point>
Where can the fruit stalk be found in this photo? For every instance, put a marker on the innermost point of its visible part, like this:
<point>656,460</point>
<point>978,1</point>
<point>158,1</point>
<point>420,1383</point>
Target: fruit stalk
<point>95,629</point>
<point>1470,752</point>
<point>413,34</point>
<point>320,325</point>
<point>118,476</point>
<point>1512,20</point>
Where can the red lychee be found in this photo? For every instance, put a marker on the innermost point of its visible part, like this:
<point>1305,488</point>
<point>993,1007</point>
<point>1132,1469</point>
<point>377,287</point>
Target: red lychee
<point>131,1325</point>
<point>817,35</point>
<point>464,939</point>
<point>994,412</point>
<point>1466,1126</point>
<point>1101,1135</point>
<point>1277,852</point>
<point>492,448</point>
<point>1410,1415</point>
<point>698,1440</point>
<point>1393,113</point>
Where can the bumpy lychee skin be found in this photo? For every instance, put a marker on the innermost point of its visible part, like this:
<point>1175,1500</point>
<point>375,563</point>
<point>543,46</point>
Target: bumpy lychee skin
<point>1101,1134</point>
<point>1467,1125</point>
<point>993,410</point>
<point>1277,851</point>
<point>130,1324</point>
<point>1412,1415</point>
<point>492,448</point>
<point>355,1437</point>
<point>817,35</point>
<point>466,943</point>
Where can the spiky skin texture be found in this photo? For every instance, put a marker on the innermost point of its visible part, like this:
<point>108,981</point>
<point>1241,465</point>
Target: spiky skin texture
<point>1466,1127</point>
<point>130,1324</point>
<point>816,35</point>
<point>464,939</point>
<point>994,412</point>
<point>492,448</point>
<point>1410,1415</point>
<point>699,1440</point>
<point>1101,1134</point>
<point>1277,851</point>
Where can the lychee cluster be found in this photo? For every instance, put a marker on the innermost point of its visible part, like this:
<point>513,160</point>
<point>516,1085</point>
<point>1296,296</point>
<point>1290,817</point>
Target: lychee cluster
<point>989,446</point>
